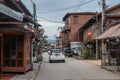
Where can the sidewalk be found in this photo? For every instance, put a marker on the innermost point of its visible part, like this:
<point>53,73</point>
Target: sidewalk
<point>6,76</point>
<point>30,75</point>
<point>95,62</point>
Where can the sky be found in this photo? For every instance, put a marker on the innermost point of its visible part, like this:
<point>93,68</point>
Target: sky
<point>51,12</point>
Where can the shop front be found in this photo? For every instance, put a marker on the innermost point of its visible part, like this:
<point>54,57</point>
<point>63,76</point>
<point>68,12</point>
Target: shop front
<point>113,52</point>
<point>16,29</point>
<point>111,48</point>
<point>15,50</point>
<point>16,55</point>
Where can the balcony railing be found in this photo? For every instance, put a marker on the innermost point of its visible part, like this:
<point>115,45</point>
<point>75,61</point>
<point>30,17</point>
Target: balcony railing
<point>66,28</point>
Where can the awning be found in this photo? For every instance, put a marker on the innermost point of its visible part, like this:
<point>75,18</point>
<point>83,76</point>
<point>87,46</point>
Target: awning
<point>112,32</point>
<point>11,13</point>
<point>115,34</point>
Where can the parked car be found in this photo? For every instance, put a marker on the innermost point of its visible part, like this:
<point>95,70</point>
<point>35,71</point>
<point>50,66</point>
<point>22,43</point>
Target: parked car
<point>57,55</point>
<point>74,51</point>
<point>68,52</point>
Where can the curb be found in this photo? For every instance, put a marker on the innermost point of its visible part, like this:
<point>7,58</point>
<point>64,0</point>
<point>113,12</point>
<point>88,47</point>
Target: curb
<point>28,76</point>
<point>37,71</point>
<point>93,62</point>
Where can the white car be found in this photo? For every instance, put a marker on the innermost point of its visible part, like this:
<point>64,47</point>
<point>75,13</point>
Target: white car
<point>56,55</point>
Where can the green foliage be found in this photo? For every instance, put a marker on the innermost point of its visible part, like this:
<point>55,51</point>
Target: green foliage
<point>42,31</point>
<point>45,36</point>
<point>85,54</point>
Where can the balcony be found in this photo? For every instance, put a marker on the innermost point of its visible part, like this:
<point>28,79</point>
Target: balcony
<point>66,29</point>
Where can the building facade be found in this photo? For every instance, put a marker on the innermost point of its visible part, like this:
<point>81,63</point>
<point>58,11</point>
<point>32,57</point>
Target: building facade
<point>74,21</point>
<point>16,30</point>
<point>103,46</point>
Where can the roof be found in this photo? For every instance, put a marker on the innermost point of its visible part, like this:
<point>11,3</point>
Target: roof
<point>17,12</point>
<point>113,7</point>
<point>92,20</point>
<point>81,13</point>
<point>90,13</point>
<point>111,32</point>
<point>6,13</point>
<point>115,34</point>
<point>18,6</point>
<point>20,3</point>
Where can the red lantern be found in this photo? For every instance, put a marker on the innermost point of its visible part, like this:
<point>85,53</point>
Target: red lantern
<point>89,34</point>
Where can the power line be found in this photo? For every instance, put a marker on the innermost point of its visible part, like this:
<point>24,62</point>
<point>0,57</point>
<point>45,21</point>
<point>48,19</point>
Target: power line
<point>81,4</point>
<point>31,1</point>
<point>48,20</point>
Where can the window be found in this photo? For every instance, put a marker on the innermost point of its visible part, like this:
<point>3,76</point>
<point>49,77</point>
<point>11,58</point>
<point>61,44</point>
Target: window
<point>75,19</point>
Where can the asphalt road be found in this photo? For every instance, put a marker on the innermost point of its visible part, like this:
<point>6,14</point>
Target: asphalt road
<point>73,69</point>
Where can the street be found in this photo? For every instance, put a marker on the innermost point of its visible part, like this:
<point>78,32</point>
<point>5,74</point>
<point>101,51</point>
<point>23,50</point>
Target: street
<point>73,69</point>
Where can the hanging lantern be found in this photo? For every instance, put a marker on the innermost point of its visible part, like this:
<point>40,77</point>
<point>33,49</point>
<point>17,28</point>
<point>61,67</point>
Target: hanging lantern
<point>89,34</point>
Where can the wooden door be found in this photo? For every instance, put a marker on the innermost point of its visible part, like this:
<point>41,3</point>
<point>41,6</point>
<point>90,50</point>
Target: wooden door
<point>13,50</point>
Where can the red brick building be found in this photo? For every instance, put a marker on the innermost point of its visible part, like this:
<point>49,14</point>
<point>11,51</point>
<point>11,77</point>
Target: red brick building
<point>74,21</point>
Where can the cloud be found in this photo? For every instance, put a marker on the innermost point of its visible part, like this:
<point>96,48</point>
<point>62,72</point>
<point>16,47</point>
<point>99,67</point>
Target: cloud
<point>51,29</point>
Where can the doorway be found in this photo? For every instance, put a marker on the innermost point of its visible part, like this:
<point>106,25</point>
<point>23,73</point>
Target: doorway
<point>13,50</point>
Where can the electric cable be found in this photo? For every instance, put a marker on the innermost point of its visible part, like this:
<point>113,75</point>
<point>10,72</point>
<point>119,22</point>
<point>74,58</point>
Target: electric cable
<point>80,4</point>
<point>48,20</point>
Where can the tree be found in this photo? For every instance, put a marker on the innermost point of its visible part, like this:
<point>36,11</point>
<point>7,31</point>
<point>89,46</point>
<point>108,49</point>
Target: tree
<point>41,33</point>
<point>45,39</point>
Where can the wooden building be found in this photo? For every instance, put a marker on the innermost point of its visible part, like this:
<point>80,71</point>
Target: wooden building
<point>16,48</point>
<point>16,30</point>
<point>92,29</point>
<point>105,46</point>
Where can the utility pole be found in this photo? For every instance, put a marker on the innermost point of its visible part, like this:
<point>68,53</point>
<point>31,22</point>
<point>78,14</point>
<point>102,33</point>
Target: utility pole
<point>34,10</point>
<point>103,16</point>
<point>102,31</point>
<point>97,25</point>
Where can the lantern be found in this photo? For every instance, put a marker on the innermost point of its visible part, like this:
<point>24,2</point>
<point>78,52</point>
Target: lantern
<point>89,34</point>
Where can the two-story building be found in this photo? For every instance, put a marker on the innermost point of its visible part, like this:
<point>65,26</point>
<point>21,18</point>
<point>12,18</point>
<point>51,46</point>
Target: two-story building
<point>103,46</point>
<point>74,21</point>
